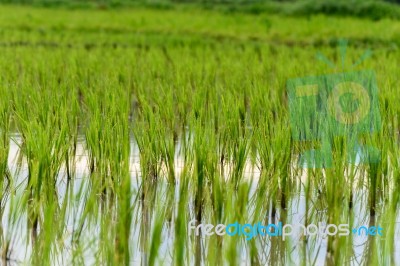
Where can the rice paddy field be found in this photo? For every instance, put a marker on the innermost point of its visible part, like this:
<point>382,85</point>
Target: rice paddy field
<point>120,127</point>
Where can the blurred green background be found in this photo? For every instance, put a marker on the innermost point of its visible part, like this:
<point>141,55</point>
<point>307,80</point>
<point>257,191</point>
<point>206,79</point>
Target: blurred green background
<point>374,9</point>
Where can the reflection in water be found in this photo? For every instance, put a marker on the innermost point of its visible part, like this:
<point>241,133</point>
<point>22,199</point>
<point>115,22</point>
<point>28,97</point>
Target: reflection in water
<point>155,229</point>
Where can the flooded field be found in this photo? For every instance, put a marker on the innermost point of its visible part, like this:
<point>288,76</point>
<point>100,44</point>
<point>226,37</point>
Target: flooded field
<point>80,235</point>
<point>150,136</point>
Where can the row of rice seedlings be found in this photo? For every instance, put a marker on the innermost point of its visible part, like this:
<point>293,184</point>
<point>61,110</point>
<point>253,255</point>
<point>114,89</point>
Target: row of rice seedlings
<point>42,118</point>
<point>107,134</point>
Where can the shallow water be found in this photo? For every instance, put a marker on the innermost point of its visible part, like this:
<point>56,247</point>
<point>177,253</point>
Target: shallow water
<point>295,248</point>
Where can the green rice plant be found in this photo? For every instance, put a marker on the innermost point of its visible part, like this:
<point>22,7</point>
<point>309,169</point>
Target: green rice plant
<point>45,137</point>
<point>5,182</point>
<point>109,154</point>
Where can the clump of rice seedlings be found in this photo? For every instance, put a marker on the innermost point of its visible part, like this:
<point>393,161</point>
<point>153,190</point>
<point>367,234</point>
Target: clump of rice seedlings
<point>108,143</point>
<point>202,164</point>
<point>275,164</point>
<point>5,182</point>
<point>45,134</point>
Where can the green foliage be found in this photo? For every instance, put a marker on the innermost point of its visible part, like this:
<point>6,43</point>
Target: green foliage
<point>367,9</point>
<point>372,9</point>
